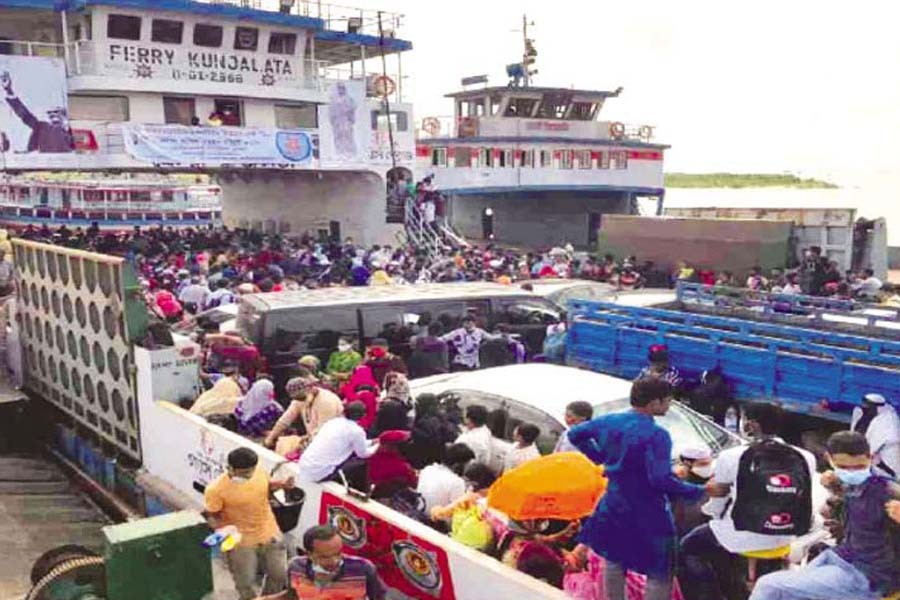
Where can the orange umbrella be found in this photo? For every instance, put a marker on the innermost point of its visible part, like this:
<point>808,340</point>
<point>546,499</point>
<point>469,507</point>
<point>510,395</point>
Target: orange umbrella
<point>559,486</point>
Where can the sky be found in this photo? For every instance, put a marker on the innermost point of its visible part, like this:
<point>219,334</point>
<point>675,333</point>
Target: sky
<point>767,86</point>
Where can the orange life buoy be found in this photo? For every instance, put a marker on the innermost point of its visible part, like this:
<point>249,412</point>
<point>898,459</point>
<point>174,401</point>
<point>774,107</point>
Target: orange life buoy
<point>383,86</point>
<point>617,130</point>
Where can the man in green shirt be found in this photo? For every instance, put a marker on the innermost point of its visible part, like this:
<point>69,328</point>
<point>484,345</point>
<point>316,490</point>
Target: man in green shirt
<point>342,361</point>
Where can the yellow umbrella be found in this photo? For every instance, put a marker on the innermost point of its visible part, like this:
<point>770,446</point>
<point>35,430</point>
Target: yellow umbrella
<point>559,486</point>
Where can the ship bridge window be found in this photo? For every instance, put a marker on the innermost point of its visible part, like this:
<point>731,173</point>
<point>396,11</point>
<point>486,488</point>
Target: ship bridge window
<point>583,111</point>
<point>399,121</point>
<point>179,111</point>
<point>246,38</point>
<point>166,31</point>
<point>473,108</point>
<point>554,106</point>
<point>98,108</point>
<point>292,116</point>
<point>282,43</point>
<point>123,27</point>
<point>208,36</point>
<point>520,107</point>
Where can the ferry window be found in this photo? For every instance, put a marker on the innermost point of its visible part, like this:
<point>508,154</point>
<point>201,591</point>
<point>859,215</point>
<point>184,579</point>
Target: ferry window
<point>246,38</point>
<point>603,160</point>
<point>528,158</point>
<point>123,27</point>
<point>166,31</point>
<point>282,43</point>
<point>565,159</point>
<point>618,159</point>
<point>399,121</point>
<point>582,111</point>
<point>546,158</point>
<point>230,111</point>
<point>584,159</point>
<point>462,157</point>
<point>98,108</point>
<point>506,158</point>
<point>439,157</point>
<point>520,107</point>
<point>179,111</point>
<point>486,157</point>
<point>209,36</point>
<point>554,106</point>
<point>292,116</point>
<point>474,108</point>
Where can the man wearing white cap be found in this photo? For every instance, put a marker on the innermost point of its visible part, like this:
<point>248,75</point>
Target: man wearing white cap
<point>878,421</point>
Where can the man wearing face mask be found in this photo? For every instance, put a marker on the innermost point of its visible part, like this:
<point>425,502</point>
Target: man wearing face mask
<point>707,551</point>
<point>240,497</point>
<point>325,572</point>
<point>863,566</point>
<point>466,343</point>
<point>342,362</point>
<point>878,422</point>
<point>695,465</point>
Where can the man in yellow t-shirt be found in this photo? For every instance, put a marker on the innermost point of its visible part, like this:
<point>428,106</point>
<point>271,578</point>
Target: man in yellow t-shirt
<point>240,497</point>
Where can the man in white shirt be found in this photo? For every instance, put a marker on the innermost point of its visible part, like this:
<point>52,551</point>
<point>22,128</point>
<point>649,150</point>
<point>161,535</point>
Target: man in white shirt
<point>441,484</point>
<point>477,437</point>
<point>524,449</point>
<point>194,295</point>
<point>878,421</point>
<point>869,285</point>
<point>466,341</point>
<point>338,440</point>
<point>704,551</point>
<point>576,412</point>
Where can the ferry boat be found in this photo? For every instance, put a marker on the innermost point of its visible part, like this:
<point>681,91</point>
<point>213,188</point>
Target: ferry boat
<point>537,166</point>
<point>294,108</point>
<point>110,204</point>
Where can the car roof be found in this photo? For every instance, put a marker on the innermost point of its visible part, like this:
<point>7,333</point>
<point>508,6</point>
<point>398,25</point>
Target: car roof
<point>546,287</point>
<point>547,387</point>
<point>385,293</point>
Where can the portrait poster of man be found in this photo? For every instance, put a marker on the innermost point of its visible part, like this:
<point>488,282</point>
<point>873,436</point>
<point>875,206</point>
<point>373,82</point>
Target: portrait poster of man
<point>344,123</point>
<point>34,114</point>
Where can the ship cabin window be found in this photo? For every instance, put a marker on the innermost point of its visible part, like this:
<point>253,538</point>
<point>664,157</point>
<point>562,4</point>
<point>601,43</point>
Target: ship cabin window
<point>229,110</point>
<point>141,196</point>
<point>528,158</point>
<point>208,36</point>
<point>583,157</point>
<point>93,195</point>
<point>166,196</point>
<point>398,120</point>
<point>583,111</point>
<point>246,38</point>
<point>566,159</point>
<point>438,157</point>
<point>486,157</point>
<point>520,107</point>
<point>293,116</point>
<point>282,43</point>
<point>165,31</point>
<point>472,108</point>
<point>603,160</point>
<point>618,159</point>
<point>98,108</point>
<point>123,27</point>
<point>546,158</point>
<point>554,105</point>
<point>462,157</point>
<point>505,158</point>
<point>496,102</point>
<point>179,111</point>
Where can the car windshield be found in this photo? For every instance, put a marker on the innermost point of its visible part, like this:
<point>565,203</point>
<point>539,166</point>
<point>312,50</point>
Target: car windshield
<point>687,428</point>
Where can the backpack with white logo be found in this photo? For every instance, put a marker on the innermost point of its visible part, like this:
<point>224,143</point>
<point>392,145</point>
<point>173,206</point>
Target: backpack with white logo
<point>774,490</point>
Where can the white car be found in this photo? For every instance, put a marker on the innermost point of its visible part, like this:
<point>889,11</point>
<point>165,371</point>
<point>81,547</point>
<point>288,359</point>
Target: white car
<point>538,393</point>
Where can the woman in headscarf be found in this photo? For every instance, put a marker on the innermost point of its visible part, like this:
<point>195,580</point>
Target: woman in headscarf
<point>222,398</point>
<point>362,387</point>
<point>258,411</point>
<point>431,432</point>
<point>393,412</point>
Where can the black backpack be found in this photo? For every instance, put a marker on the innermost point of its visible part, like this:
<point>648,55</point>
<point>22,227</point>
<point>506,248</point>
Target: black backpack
<point>774,490</point>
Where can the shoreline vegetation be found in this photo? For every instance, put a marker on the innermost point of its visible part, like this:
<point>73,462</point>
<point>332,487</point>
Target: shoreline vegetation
<point>744,180</point>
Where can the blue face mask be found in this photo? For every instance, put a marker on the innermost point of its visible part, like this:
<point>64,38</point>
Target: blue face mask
<point>854,477</point>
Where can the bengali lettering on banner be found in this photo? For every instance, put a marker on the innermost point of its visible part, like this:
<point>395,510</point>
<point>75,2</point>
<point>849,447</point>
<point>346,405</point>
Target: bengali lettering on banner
<point>34,113</point>
<point>215,146</point>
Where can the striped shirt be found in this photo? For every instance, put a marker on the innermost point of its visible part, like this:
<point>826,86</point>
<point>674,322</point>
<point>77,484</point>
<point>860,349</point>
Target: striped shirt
<point>356,580</point>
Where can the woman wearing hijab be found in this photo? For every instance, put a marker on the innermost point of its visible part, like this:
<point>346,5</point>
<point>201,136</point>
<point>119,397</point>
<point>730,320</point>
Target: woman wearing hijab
<point>431,432</point>
<point>393,412</point>
<point>258,411</point>
<point>389,470</point>
<point>361,387</point>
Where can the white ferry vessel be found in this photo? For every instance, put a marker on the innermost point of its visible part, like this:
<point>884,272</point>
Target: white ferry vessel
<point>112,204</point>
<point>537,165</point>
<point>294,108</point>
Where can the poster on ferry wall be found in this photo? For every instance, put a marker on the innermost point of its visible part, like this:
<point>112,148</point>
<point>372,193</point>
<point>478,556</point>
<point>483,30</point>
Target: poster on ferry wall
<point>344,124</point>
<point>216,146</point>
<point>34,113</point>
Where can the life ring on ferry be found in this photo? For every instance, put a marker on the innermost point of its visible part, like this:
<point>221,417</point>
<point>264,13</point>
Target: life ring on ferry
<point>431,125</point>
<point>383,86</point>
<point>617,130</point>
<point>645,132</point>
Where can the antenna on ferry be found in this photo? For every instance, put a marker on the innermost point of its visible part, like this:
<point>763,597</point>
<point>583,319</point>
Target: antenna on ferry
<point>529,55</point>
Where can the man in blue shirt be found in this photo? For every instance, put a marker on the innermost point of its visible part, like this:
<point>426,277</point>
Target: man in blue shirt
<point>632,526</point>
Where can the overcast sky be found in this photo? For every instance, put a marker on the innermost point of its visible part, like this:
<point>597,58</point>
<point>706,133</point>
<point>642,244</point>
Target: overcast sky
<point>798,85</point>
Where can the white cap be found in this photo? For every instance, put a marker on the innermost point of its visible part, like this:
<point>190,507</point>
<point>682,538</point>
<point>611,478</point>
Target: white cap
<point>875,399</point>
<point>695,453</point>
